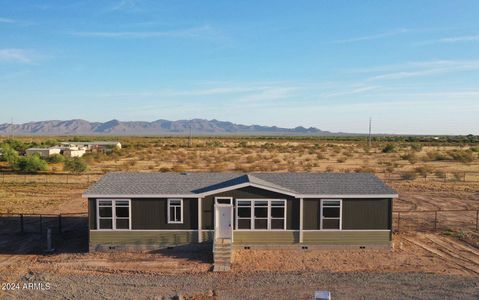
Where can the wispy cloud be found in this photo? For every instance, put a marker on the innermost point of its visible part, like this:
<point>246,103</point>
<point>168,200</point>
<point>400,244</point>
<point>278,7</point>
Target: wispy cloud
<point>16,55</point>
<point>451,40</point>
<point>460,39</point>
<point>417,69</point>
<point>14,22</point>
<point>8,21</point>
<point>193,32</point>
<point>373,36</point>
<point>126,5</point>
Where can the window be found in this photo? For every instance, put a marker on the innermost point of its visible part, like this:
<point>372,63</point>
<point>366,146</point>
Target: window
<point>175,211</point>
<point>278,214</point>
<point>224,200</point>
<point>114,214</point>
<point>261,214</point>
<point>331,214</point>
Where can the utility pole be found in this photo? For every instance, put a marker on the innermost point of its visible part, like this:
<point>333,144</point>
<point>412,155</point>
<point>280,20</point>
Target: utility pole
<point>369,135</point>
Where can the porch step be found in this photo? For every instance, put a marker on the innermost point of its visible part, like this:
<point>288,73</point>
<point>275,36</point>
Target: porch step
<point>222,255</point>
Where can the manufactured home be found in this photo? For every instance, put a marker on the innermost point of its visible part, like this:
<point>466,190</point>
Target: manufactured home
<point>44,152</point>
<point>94,146</point>
<point>272,210</point>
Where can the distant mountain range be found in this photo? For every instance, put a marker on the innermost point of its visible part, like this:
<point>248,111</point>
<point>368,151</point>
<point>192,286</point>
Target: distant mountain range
<point>159,127</point>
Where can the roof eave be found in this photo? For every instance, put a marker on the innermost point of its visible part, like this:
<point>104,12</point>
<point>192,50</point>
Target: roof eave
<point>342,196</point>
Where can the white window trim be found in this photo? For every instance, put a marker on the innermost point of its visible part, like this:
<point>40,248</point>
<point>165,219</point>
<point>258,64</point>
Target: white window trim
<point>113,214</point>
<point>340,215</point>
<point>168,211</point>
<point>223,198</point>
<point>269,218</point>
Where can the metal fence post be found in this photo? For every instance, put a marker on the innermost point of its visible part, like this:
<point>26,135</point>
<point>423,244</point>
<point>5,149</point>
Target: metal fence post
<point>22,230</point>
<point>399,219</point>
<point>60,223</point>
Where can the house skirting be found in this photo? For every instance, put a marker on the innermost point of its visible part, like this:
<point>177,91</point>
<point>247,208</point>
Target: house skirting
<point>144,240</point>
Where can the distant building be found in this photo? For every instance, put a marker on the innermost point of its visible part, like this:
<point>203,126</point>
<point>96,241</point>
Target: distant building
<point>74,152</point>
<point>44,152</point>
<point>96,145</point>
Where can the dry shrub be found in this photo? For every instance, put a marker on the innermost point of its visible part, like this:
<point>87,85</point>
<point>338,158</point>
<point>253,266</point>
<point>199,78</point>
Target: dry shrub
<point>365,169</point>
<point>321,156</point>
<point>408,175</point>
<point>178,168</point>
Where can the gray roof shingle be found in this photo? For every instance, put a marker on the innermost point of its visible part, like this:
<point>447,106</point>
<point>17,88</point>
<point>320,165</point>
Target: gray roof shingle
<point>133,184</point>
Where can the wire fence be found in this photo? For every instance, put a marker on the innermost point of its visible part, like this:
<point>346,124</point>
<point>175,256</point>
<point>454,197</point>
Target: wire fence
<point>435,220</point>
<point>50,178</point>
<point>38,223</point>
<point>403,221</point>
<point>65,178</point>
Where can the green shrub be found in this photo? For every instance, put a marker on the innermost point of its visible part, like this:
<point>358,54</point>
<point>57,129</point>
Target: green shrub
<point>75,165</point>
<point>464,156</point>
<point>408,175</point>
<point>440,174</point>
<point>56,158</point>
<point>31,164</point>
<point>411,157</point>
<point>435,155</point>
<point>17,145</point>
<point>416,147</point>
<point>424,170</point>
<point>389,148</point>
<point>9,154</point>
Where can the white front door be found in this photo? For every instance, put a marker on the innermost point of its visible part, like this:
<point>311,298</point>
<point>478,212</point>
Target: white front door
<point>224,220</point>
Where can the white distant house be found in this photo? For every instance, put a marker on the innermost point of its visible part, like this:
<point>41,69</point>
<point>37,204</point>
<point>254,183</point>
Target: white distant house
<point>96,145</point>
<point>44,152</point>
<point>74,152</point>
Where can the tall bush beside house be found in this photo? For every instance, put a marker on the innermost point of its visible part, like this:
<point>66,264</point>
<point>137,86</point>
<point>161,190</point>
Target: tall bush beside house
<point>9,155</point>
<point>56,158</point>
<point>31,164</point>
<point>75,165</point>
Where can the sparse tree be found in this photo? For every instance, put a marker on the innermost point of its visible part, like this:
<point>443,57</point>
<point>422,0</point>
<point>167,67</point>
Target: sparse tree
<point>31,164</point>
<point>9,154</point>
<point>75,165</point>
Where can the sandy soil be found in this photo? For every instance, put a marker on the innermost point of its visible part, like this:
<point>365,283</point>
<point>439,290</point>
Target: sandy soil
<point>441,265</point>
<point>258,285</point>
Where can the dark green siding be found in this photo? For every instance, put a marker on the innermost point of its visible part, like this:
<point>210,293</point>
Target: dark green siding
<point>366,214</point>
<point>153,214</point>
<point>292,205</point>
<point>357,214</point>
<point>150,213</point>
<point>92,213</point>
<point>311,212</point>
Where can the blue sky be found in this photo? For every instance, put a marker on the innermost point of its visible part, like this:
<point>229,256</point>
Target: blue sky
<point>413,66</point>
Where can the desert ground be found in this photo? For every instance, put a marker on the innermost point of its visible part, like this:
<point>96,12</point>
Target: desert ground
<point>430,258</point>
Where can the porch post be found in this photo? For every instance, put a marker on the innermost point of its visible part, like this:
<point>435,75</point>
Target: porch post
<point>301,220</point>
<point>200,236</point>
